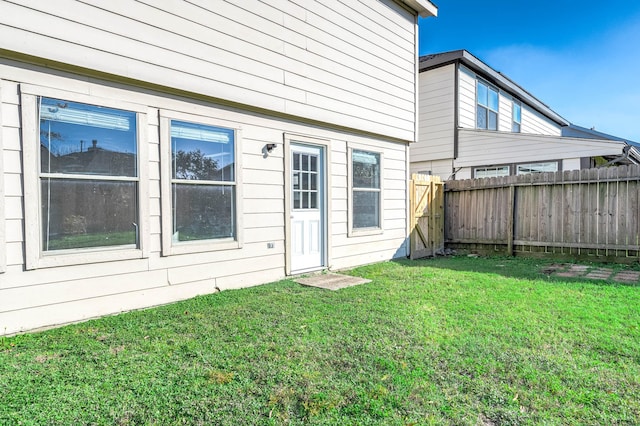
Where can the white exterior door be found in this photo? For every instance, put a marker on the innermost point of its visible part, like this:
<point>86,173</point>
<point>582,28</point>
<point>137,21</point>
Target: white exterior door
<point>307,208</point>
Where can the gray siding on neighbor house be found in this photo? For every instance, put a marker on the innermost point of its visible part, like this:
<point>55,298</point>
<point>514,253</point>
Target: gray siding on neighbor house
<point>346,63</point>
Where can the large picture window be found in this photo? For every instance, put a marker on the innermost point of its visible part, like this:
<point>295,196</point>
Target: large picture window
<point>203,182</point>
<point>88,176</point>
<point>366,190</point>
<point>487,108</point>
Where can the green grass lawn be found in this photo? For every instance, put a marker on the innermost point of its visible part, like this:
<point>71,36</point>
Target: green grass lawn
<point>446,341</point>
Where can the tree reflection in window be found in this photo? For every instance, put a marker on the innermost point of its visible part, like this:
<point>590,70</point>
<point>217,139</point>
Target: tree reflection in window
<point>203,181</point>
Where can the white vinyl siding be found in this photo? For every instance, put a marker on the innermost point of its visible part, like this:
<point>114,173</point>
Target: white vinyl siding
<point>12,178</point>
<point>481,148</point>
<point>466,98</point>
<point>436,120</point>
<point>535,123</point>
<point>349,64</point>
<point>90,287</point>
<point>3,256</point>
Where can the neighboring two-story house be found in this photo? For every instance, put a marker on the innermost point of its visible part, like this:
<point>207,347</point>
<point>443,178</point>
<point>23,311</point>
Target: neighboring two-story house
<point>154,151</point>
<point>475,122</point>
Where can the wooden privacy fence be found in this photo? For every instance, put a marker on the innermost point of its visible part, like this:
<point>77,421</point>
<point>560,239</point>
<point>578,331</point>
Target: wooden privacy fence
<point>427,215</point>
<point>593,212</point>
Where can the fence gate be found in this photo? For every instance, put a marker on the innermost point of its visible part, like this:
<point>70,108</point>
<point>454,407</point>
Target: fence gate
<point>427,215</point>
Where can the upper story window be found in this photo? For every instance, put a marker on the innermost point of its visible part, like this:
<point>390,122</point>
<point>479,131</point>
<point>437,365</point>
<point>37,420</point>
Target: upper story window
<point>516,117</point>
<point>366,189</point>
<point>202,182</point>
<point>88,176</point>
<point>487,108</point>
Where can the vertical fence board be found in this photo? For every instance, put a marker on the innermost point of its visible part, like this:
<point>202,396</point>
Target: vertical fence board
<point>588,212</point>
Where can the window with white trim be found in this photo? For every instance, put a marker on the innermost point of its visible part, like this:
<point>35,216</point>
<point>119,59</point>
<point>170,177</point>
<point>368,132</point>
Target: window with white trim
<point>487,106</point>
<point>202,182</point>
<point>525,169</point>
<point>88,175</point>
<point>200,186</point>
<point>516,117</point>
<point>487,172</point>
<point>366,190</point>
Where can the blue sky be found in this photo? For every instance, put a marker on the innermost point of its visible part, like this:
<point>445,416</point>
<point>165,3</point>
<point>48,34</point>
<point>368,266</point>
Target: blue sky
<point>582,58</point>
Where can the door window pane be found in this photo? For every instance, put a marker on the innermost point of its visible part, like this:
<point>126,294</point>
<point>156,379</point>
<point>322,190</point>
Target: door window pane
<point>305,181</point>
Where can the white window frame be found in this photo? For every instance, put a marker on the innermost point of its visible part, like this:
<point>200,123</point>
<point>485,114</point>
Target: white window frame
<point>169,247</point>
<point>3,224</point>
<point>356,232</point>
<point>515,122</point>
<point>35,257</point>
<point>487,107</point>
<point>487,168</point>
<point>539,163</point>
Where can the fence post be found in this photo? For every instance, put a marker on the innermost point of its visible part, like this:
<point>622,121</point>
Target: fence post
<point>511,219</point>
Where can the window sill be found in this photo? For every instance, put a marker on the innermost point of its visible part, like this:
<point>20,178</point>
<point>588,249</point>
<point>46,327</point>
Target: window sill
<point>81,257</point>
<point>192,247</point>
<point>363,232</point>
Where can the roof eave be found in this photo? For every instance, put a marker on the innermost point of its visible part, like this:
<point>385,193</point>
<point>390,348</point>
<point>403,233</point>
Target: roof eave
<point>424,7</point>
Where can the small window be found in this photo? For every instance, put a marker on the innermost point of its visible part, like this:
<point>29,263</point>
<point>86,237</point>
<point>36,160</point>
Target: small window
<point>516,117</point>
<point>488,172</point>
<point>487,107</point>
<point>202,182</point>
<point>366,191</point>
<point>525,169</point>
<point>88,176</point>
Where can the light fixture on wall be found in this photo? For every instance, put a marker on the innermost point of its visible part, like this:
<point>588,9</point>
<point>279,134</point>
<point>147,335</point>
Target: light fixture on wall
<point>270,147</point>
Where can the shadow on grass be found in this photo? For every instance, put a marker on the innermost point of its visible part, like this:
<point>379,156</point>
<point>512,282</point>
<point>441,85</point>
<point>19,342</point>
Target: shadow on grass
<point>524,268</point>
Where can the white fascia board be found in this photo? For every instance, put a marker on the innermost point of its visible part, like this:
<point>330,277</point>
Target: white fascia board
<point>424,7</point>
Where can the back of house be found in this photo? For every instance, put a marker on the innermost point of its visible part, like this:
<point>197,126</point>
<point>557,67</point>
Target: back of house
<point>154,151</point>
